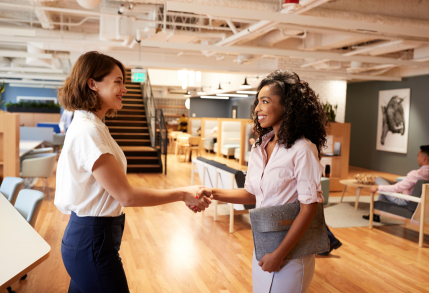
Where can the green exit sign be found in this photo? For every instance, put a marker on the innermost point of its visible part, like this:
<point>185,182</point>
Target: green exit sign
<point>139,77</point>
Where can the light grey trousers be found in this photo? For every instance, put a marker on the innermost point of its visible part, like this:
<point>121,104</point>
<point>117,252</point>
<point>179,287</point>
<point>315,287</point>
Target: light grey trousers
<point>395,200</point>
<point>294,277</point>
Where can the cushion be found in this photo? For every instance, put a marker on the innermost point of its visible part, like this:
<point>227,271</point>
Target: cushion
<point>228,149</point>
<point>403,211</point>
<point>215,147</point>
<point>390,207</point>
<point>208,145</point>
<point>237,153</point>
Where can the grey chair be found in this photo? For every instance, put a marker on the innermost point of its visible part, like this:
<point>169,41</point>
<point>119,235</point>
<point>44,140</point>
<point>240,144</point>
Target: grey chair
<point>414,213</point>
<point>10,187</point>
<point>39,165</point>
<point>28,204</point>
<point>59,141</point>
<point>41,151</point>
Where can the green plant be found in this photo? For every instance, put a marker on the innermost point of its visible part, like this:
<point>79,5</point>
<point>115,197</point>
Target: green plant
<point>38,105</point>
<point>2,88</point>
<point>330,110</point>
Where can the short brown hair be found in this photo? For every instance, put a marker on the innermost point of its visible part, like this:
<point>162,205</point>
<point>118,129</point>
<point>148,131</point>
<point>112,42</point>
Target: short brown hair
<point>75,94</point>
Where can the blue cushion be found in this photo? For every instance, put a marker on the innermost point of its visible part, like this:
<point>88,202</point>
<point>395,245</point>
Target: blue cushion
<point>55,126</point>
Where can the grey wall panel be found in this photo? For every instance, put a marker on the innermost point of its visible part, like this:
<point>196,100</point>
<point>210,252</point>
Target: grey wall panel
<point>361,112</point>
<point>209,108</point>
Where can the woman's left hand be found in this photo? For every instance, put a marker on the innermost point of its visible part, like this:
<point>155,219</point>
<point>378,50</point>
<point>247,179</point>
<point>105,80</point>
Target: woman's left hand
<point>271,263</point>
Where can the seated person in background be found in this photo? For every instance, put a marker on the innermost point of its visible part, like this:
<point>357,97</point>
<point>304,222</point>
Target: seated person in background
<point>213,132</point>
<point>183,123</point>
<point>406,185</point>
<point>65,120</point>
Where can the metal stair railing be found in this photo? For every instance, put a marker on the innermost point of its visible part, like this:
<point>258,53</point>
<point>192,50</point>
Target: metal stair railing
<point>156,122</point>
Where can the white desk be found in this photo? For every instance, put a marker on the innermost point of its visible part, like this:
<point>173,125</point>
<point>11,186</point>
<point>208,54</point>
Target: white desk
<point>27,145</point>
<point>21,247</point>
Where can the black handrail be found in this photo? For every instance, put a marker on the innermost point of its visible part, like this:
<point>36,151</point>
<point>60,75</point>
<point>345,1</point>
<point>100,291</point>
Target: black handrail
<point>155,120</point>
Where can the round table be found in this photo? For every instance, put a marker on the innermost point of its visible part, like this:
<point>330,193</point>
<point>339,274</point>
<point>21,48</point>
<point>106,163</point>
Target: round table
<point>353,182</point>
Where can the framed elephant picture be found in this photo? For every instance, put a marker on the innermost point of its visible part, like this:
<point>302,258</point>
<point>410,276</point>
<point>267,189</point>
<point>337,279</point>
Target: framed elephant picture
<point>393,120</point>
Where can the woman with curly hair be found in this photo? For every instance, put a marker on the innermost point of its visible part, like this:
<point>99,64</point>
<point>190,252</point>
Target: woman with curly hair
<point>284,168</point>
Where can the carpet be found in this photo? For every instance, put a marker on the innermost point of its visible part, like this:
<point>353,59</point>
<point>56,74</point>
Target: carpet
<point>344,215</point>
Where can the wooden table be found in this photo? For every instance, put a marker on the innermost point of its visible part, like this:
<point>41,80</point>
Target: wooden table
<point>354,183</point>
<point>27,145</point>
<point>21,247</point>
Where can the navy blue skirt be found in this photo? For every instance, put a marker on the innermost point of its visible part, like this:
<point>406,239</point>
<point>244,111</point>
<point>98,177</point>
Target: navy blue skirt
<point>90,251</point>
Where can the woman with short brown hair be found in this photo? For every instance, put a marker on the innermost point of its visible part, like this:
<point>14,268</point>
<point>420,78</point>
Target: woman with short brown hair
<point>91,178</point>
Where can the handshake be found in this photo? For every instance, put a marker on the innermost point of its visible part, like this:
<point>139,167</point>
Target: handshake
<point>198,198</point>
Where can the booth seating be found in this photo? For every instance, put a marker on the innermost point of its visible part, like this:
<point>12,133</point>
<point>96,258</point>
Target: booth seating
<point>217,175</point>
<point>230,134</point>
<point>237,155</point>
<point>413,213</point>
<point>209,145</point>
<point>208,135</point>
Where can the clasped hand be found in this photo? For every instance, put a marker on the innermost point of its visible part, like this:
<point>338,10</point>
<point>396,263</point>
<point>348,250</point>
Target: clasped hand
<point>200,200</point>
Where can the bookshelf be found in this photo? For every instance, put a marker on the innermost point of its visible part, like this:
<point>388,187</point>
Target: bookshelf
<point>339,164</point>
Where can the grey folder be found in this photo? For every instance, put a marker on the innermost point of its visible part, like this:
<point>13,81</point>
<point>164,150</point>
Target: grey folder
<point>271,224</point>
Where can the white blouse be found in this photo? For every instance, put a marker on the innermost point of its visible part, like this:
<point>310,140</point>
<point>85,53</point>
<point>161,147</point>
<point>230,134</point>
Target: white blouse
<point>76,189</point>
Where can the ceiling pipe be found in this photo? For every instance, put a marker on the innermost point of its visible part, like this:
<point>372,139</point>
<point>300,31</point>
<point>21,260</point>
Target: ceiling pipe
<point>370,48</point>
<point>264,25</point>
<point>232,26</point>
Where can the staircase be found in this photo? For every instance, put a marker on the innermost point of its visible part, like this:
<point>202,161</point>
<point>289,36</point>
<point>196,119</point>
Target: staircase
<point>130,130</point>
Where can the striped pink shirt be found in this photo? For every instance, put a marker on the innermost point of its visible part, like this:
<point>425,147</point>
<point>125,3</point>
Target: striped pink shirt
<point>290,175</point>
<point>408,183</point>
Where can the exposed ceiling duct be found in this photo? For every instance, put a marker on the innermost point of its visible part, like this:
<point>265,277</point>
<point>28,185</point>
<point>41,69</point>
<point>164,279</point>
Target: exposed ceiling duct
<point>89,4</point>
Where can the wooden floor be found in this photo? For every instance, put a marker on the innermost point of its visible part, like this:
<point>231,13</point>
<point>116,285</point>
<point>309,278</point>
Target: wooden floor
<point>170,249</point>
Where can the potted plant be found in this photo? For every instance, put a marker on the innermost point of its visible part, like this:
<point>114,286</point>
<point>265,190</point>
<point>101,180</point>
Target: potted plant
<point>330,110</point>
<point>2,88</point>
<point>33,107</point>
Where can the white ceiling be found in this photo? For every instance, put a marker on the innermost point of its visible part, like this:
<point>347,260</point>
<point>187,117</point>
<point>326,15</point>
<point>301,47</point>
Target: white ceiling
<point>337,39</point>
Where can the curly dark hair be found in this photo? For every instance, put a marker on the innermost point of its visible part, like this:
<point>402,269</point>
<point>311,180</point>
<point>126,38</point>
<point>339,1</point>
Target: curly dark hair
<point>304,115</point>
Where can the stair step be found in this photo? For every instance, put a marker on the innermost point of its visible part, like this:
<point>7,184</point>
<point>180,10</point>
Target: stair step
<point>134,90</point>
<point>141,158</point>
<point>132,95</point>
<point>138,149</point>
<point>131,110</point>
<point>135,105</point>
<point>128,127</point>
<point>124,121</point>
<point>133,100</point>
<point>132,140</point>
<point>130,136</point>
<point>144,166</point>
<point>130,115</point>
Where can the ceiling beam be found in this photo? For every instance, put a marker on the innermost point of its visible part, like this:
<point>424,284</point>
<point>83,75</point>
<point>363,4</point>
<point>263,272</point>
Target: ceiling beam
<point>281,52</point>
<point>21,54</point>
<point>306,20</point>
<point>31,69</point>
<point>32,76</point>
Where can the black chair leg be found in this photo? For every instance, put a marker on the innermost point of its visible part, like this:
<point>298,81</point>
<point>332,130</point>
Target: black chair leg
<point>9,289</point>
<point>24,277</point>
